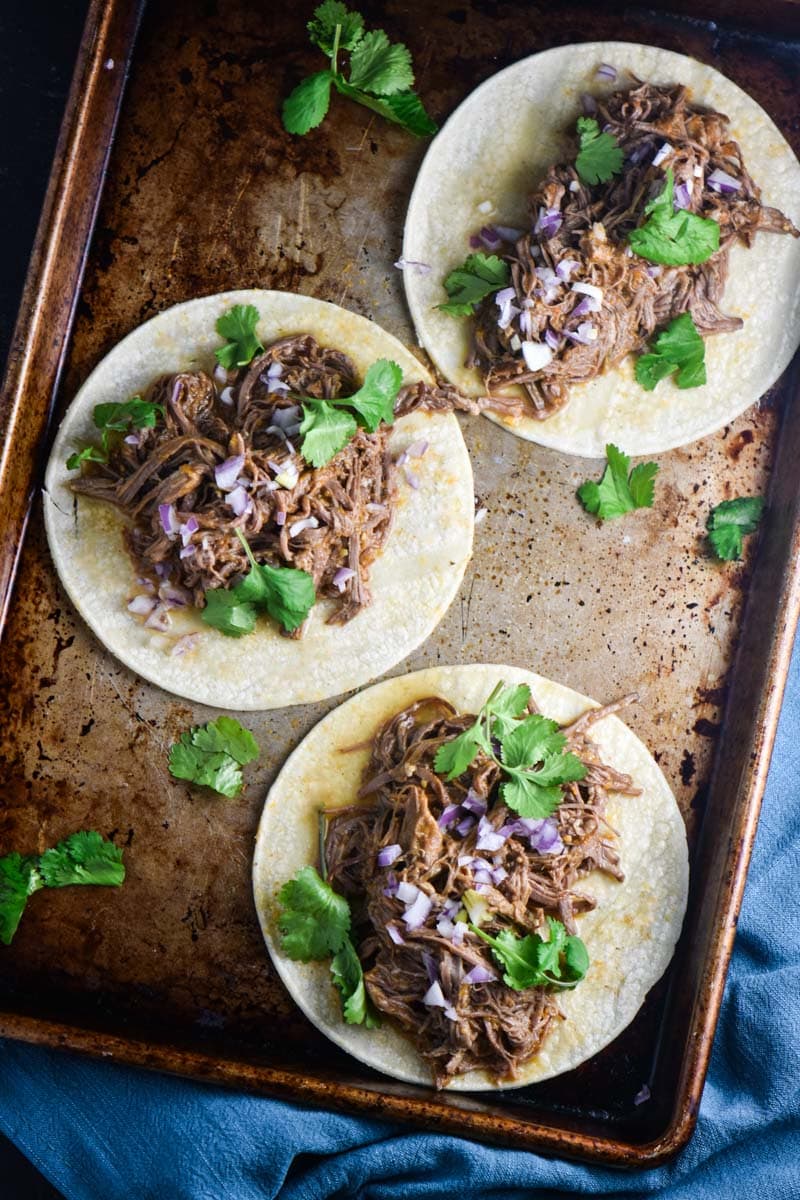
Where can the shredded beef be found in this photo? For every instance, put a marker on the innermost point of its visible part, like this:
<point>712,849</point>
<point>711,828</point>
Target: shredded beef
<point>638,297</point>
<point>349,503</point>
<point>491,1026</point>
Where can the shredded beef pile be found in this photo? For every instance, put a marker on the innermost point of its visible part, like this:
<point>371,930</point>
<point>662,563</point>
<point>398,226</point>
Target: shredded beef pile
<point>491,1026</point>
<point>589,226</point>
<point>346,507</point>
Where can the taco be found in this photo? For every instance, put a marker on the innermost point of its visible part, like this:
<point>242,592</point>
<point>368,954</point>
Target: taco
<point>250,536</point>
<point>499,898</point>
<point>605,191</point>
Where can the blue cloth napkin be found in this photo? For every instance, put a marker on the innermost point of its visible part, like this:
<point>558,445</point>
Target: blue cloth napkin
<point>104,1132</point>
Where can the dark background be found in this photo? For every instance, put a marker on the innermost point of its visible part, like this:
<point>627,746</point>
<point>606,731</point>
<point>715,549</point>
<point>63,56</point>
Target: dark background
<point>38,46</point>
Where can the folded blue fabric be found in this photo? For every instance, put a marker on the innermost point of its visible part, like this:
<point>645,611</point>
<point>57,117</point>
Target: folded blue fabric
<point>104,1132</point>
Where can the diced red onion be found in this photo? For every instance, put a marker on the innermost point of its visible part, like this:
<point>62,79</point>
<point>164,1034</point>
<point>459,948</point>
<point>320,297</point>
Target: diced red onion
<point>459,931</point>
<point>226,396</point>
<point>606,71</point>
<point>407,892</point>
<point>504,295</point>
<point>683,197</point>
<point>465,826</point>
<point>450,908</point>
<point>663,153</point>
<point>508,233</point>
<point>434,997</point>
<point>498,875</point>
<point>169,519</point>
<point>187,551</point>
<point>473,803</point>
<point>449,815</point>
<point>451,1013</point>
<point>574,186</point>
<point>298,527</point>
<point>239,501</point>
<point>141,605</point>
<point>161,570</point>
<point>388,854</point>
<point>507,314</point>
<point>547,276</point>
<point>548,222</point>
<point>584,334</point>
<point>488,837</point>
<point>220,374</point>
<point>146,583</point>
<point>280,517</point>
<point>429,963</point>
<point>482,888</point>
<point>639,152</point>
<point>592,293</point>
<point>412,479</point>
<point>552,338</point>
<point>189,526</point>
<point>482,877</point>
<point>341,577</point>
<point>445,927</point>
<point>480,974</point>
<point>475,242</point>
<point>565,268</point>
<point>174,597</point>
<point>132,439</point>
<point>464,860</point>
<point>417,449</point>
<point>418,913</point>
<point>185,643</point>
<point>490,237</point>
<point>585,306</point>
<point>653,272</point>
<point>421,268</point>
<point>721,181</point>
<point>284,418</point>
<point>525,328</point>
<point>536,354</point>
<point>391,885</point>
<point>276,385</point>
<point>226,473</point>
<point>159,619</point>
<point>588,104</point>
<point>544,837</point>
<point>642,1095</point>
<point>395,934</point>
<point>401,459</point>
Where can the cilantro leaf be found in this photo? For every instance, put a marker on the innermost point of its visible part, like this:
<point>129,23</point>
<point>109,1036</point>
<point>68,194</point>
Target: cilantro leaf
<point>228,613</point>
<point>238,325</point>
<point>84,857</point>
<point>505,706</point>
<point>679,348</point>
<point>87,454</point>
<point>348,976</point>
<point>531,741</point>
<point>452,758</point>
<point>729,521</point>
<point>674,237</point>
<point>307,106</point>
<point>467,285</point>
<point>378,66</point>
<point>212,755</point>
<point>287,593</point>
<point>322,27</point>
<point>374,400</point>
<point>532,962</point>
<point>314,921</point>
<point>19,878</point>
<point>527,798</point>
<point>617,492</point>
<point>136,412</point>
<point>599,156</point>
<point>325,431</point>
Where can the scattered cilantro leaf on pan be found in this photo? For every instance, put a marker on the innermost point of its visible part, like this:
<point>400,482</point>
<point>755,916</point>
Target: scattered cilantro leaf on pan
<point>730,521</point>
<point>619,492</point>
<point>314,921</point>
<point>238,327</point>
<point>470,283</point>
<point>285,593</point>
<point>213,755</point>
<point>348,975</point>
<point>380,75</point>
<point>532,962</point>
<point>19,879</point>
<point>82,858</point>
<point>674,237</point>
<point>599,156</point>
<point>327,426</point>
<point>679,348</point>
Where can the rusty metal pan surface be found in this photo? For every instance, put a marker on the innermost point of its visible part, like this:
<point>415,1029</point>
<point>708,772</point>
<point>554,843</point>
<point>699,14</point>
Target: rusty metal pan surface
<point>205,192</point>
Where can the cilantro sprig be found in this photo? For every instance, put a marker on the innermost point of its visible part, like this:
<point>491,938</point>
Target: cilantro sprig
<point>531,752</point>
<point>327,426</point>
<point>213,755</point>
<point>618,491</point>
<point>82,858</point>
<point>238,327</point>
<point>476,278</point>
<point>599,156</point>
<point>730,521</point>
<point>380,76</point>
<point>679,348</point>
<point>115,419</point>
<point>560,962</point>
<point>673,236</point>
<point>285,593</point>
<point>314,924</point>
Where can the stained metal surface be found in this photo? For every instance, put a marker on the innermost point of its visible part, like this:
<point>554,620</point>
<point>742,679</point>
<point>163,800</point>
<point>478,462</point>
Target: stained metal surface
<point>206,192</point>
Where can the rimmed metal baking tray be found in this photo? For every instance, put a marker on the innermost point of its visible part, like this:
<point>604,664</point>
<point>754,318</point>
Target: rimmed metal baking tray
<point>203,191</point>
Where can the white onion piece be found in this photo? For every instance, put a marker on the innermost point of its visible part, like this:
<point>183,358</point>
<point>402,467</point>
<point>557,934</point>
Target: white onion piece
<point>227,472</point>
<point>298,527</point>
<point>485,207</point>
<point>418,912</point>
<point>434,997</point>
<point>407,892</point>
<point>536,355</point>
<point>574,186</point>
<point>220,374</point>
<point>445,927</point>
<point>226,396</point>
<point>464,860</point>
<point>663,153</point>
<point>388,854</point>
<point>141,605</point>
